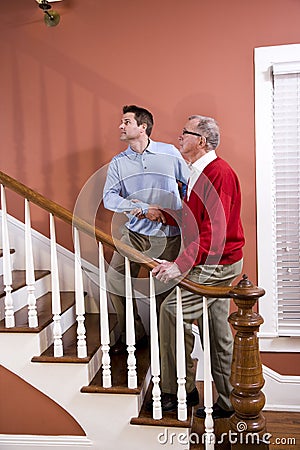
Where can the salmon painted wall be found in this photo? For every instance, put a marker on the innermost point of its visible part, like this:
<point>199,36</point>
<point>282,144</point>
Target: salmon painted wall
<point>62,88</point>
<point>25,409</point>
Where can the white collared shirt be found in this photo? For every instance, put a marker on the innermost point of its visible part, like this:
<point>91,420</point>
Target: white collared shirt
<point>197,168</point>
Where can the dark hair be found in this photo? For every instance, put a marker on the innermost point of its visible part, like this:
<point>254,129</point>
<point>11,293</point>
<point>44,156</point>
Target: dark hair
<point>141,116</point>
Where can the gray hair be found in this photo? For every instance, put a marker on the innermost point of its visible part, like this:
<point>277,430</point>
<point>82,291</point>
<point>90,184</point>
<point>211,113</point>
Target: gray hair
<point>209,128</point>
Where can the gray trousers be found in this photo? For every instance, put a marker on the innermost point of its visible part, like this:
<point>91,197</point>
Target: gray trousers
<point>221,339</point>
<point>156,247</point>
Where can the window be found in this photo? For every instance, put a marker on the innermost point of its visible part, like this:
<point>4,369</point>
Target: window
<point>277,118</point>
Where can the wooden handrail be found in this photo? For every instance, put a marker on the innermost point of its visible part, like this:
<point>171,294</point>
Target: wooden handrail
<point>68,217</point>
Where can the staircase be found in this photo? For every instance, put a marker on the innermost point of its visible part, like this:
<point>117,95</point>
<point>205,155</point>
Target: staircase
<point>107,415</point>
<point>53,344</point>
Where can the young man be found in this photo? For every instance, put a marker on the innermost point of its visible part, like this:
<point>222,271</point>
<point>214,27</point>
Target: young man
<point>145,174</point>
<point>212,256</point>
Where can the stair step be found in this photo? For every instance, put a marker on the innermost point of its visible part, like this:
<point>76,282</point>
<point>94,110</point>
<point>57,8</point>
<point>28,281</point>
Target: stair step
<point>19,279</point>
<point>169,418</point>
<point>69,339</point>
<point>44,312</point>
<point>119,374</point>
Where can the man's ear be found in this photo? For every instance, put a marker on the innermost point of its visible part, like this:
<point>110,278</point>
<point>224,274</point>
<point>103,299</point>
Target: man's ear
<point>202,141</point>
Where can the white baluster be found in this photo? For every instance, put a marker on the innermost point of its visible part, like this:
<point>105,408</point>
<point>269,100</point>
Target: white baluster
<point>30,279</point>
<point>79,299</point>
<point>180,358</point>
<point>130,331</point>
<point>56,304</point>
<point>104,322</point>
<point>7,272</point>
<point>155,369</point>
<point>208,395</point>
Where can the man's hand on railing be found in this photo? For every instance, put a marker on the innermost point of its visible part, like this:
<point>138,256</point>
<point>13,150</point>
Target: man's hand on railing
<point>166,271</point>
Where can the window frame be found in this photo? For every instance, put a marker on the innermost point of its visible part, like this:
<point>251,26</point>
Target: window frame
<point>264,58</point>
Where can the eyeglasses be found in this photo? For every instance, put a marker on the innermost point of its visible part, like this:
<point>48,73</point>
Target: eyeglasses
<point>191,132</point>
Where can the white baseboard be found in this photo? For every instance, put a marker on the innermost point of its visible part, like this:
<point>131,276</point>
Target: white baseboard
<point>24,441</point>
<point>282,391</point>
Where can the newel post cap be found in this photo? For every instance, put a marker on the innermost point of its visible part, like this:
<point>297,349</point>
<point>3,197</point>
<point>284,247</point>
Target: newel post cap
<point>245,289</point>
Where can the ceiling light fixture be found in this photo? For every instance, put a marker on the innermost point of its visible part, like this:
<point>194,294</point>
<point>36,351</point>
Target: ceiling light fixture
<point>51,17</point>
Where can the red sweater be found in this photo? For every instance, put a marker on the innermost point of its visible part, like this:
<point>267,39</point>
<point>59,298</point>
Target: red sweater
<point>211,225</point>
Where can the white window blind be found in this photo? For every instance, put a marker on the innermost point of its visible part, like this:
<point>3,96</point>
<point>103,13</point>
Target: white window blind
<point>286,188</point>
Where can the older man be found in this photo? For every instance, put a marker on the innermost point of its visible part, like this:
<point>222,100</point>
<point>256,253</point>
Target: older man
<point>212,257</point>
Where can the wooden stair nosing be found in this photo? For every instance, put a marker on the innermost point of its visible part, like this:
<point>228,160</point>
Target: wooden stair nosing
<point>169,419</point>
<point>44,312</point>
<point>19,279</point>
<point>69,339</point>
<point>119,375</point>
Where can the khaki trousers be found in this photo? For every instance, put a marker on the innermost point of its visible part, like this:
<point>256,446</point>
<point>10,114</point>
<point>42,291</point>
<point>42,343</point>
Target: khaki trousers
<point>153,246</point>
<point>221,339</point>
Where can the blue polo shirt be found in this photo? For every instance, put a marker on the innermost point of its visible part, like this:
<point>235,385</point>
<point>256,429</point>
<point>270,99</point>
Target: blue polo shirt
<point>151,178</point>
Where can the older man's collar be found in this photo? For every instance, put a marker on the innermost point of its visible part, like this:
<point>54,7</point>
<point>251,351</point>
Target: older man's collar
<point>202,162</point>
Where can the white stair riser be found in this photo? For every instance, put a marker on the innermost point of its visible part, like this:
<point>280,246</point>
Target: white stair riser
<point>46,335</point>
<point>43,339</point>
<point>95,364</point>
<point>11,356</point>
<point>42,286</point>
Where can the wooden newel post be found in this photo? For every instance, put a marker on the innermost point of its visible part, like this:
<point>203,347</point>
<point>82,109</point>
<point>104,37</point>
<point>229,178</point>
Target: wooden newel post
<point>247,424</point>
